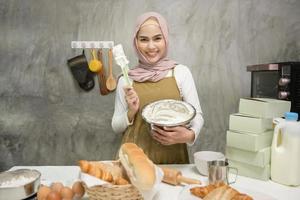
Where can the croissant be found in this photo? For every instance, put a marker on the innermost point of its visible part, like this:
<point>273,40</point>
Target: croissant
<point>203,191</point>
<point>242,197</point>
<point>108,172</point>
<point>95,169</point>
<point>219,192</point>
<point>120,181</point>
<point>107,176</point>
<point>84,165</point>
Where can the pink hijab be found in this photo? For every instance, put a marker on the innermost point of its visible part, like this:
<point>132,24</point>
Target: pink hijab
<point>146,71</point>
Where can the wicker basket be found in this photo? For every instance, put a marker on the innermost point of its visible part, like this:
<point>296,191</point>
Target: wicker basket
<point>113,192</point>
<point>110,191</point>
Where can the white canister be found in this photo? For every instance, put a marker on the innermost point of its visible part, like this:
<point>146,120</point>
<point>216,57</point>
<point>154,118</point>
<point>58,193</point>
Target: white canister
<point>285,162</point>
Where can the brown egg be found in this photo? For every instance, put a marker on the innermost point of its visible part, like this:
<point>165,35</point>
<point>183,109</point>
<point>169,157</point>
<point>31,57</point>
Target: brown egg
<point>57,186</point>
<point>78,189</point>
<point>53,196</point>
<point>66,193</point>
<point>43,192</point>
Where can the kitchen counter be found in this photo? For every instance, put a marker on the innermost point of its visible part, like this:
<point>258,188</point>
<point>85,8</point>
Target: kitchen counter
<point>265,189</point>
<point>262,190</point>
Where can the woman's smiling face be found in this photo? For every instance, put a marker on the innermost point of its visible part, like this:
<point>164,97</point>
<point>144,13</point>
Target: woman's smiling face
<point>151,42</point>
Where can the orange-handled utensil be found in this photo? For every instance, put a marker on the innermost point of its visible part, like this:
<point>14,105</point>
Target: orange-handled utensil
<point>101,75</point>
<point>95,65</point>
<point>111,81</point>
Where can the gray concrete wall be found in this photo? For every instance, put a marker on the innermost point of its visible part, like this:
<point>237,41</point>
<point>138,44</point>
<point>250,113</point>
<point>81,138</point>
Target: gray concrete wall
<point>45,119</point>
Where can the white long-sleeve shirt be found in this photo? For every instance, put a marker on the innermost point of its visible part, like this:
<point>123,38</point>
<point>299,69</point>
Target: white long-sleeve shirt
<point>188,92</point>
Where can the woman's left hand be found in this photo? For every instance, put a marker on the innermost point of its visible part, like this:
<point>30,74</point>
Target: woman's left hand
<point>172,135</point>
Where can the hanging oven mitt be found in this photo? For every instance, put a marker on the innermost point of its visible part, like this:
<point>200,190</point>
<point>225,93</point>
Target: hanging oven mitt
<point>80,70</point>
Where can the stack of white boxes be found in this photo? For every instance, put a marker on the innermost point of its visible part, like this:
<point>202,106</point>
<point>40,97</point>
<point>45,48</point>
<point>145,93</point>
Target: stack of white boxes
<point>250,134</point>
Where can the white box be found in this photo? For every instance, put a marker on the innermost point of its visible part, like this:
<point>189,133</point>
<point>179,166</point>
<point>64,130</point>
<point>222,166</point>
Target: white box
<point>262,173</point>
<point>264,107</point>
<point>260,158</point>
<point>249,141</point>
<point>250,124</point>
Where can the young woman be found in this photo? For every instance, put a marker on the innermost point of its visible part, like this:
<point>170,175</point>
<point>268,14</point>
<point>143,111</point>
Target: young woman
<point>156,77</point>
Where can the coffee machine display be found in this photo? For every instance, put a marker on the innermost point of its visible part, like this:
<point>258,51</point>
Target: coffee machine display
<point>277,80</point>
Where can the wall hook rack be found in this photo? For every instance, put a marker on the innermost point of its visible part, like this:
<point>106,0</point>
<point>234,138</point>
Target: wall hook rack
<point>92,44</point>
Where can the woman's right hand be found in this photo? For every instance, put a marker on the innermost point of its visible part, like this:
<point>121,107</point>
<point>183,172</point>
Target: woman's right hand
<point>133,102</point>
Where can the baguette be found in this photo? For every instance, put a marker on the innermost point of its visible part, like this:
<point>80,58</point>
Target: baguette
<point>139,168</point>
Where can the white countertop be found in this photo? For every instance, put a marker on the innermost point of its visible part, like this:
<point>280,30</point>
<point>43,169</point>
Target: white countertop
<point>262,190</point>
<point>265,189</point>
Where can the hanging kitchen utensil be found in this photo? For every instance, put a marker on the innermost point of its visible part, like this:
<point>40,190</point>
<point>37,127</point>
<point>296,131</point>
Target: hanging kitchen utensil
<point>94,65</point>
<point>101,75</point>
<point>111,81</point>
<point>80,71</point>
<point>122,61</point>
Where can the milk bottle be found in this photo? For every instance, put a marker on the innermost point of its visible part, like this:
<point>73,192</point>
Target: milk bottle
<point>285,155</point>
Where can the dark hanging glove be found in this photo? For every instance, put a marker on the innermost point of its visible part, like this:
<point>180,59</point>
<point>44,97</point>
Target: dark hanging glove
<point>80,70</point>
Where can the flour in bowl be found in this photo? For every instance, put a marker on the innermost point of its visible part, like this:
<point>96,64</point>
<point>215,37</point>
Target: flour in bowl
<point>168,112</point>
<point>17,181</point>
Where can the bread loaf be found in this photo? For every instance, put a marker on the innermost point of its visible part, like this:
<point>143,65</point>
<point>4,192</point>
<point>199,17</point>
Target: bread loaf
<point>139,167</point>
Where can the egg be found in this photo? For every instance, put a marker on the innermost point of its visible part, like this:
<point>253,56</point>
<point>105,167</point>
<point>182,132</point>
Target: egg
<point>66,193</point>
<point>78,189</point>
<point>53,196</point>
<point>57,186</point>
<point>43,192</point>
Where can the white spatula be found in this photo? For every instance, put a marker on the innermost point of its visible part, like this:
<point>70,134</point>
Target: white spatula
<point>122,61</point>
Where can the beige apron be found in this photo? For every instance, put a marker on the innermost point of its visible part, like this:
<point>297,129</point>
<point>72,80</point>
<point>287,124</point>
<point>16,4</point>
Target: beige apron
<point>139,131</point>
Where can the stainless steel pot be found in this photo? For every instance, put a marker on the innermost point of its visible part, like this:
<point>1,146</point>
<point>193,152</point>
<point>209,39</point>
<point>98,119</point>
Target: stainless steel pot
<point>13,189</point>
